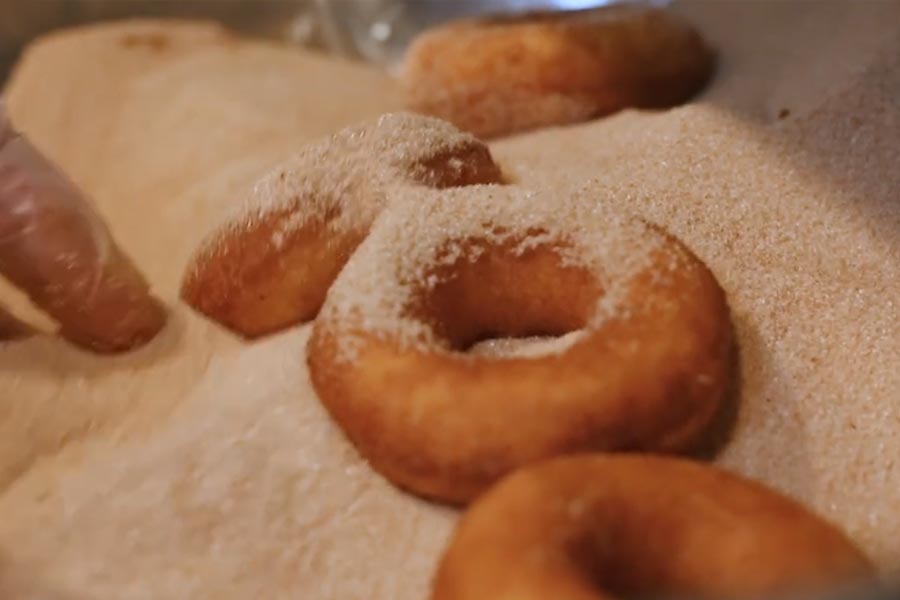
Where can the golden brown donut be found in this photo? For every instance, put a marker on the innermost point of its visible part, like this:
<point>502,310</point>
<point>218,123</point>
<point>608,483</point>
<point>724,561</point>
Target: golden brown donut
<point>270,265</point>
<point>57,250</point>
<point>501,75</point>
<point>597,527</point>
<point>647,367</point>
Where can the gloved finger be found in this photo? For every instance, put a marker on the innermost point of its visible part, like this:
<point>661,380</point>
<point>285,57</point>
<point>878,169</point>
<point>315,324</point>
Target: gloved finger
<point>57,250</point>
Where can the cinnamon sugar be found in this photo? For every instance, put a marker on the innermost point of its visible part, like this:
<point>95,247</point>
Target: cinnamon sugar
<point>250,491</point>
<point>799,219</point>
<point>427,229</point>
<point>343,180</point>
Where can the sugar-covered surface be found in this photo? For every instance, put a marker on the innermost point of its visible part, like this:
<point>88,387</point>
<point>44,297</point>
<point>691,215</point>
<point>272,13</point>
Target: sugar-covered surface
<point>797,212</point>
<point>203,467</point>
<point>425,231</point>
<point>533,346</point>
<point>346,175</point>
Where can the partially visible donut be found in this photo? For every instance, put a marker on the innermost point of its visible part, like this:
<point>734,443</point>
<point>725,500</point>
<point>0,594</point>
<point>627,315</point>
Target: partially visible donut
<point>270,265</point>
<point>647,368</point>
<point>596,527</point>
<point>496,76</point>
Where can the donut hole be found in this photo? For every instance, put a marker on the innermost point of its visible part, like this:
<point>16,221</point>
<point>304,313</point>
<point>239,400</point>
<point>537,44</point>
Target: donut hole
<point>496,300</point>
<point>609,567</point>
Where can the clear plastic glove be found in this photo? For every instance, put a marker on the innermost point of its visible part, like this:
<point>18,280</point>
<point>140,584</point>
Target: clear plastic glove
<point>55,248</point>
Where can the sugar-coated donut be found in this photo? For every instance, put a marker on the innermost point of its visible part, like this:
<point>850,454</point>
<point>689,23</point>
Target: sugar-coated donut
<point>270,265</point>
<point>595,527</point>
<point>496,76</point>
<point>55,248</point>
<point>646,366</point>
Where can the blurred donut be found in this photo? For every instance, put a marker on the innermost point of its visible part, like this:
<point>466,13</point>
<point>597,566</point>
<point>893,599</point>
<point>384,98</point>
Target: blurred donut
<point>270,265</point>
<point>596,527</point>
<point>496,76</point>
<point>646,366</point>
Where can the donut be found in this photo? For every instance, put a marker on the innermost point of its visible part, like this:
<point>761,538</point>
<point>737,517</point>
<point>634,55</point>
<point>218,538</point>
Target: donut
<point>269,266</point>
<point>500,75</point>
<point>645,359</point>
<point>56,249</point>
<point>595,526</point>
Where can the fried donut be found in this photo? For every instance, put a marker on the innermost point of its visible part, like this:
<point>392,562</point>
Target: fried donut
<point>595,527</point>
<point>56,249</point>
<point>646,366</point>
<point>270,266</point>
<point>496,76</point>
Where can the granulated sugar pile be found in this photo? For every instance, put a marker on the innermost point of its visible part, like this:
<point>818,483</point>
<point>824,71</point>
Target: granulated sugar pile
<point>204,467</point>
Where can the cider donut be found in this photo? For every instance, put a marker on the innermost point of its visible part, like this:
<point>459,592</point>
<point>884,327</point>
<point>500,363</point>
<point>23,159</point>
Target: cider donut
<point>58,251</point>
<point>495,76</point>
<point>646,366</point>
<point>595,527</point>
<point>270,265</point>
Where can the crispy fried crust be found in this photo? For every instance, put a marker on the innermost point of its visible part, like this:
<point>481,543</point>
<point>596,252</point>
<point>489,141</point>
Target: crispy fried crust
<point>254,287</point>
<point>498,76</point>
<point>595,527</point>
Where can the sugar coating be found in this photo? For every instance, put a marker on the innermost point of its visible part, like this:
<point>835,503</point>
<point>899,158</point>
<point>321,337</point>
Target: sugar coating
<point>342,180</point>
<point>526,347</point>
<point>426,229</point>
<point>251,492</point>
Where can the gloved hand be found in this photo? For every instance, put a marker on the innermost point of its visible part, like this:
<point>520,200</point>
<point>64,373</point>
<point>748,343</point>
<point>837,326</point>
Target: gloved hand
<point>56,249</point>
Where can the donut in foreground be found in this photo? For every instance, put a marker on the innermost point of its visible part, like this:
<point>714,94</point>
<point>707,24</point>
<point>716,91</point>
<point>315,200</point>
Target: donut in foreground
<point>270,265</point>
<point>594,527</point>
<point>645,362</point>
<point>58,251</point>
<point>501,75</point>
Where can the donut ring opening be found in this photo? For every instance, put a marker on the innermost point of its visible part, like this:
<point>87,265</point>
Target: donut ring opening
<point>507,294</point>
